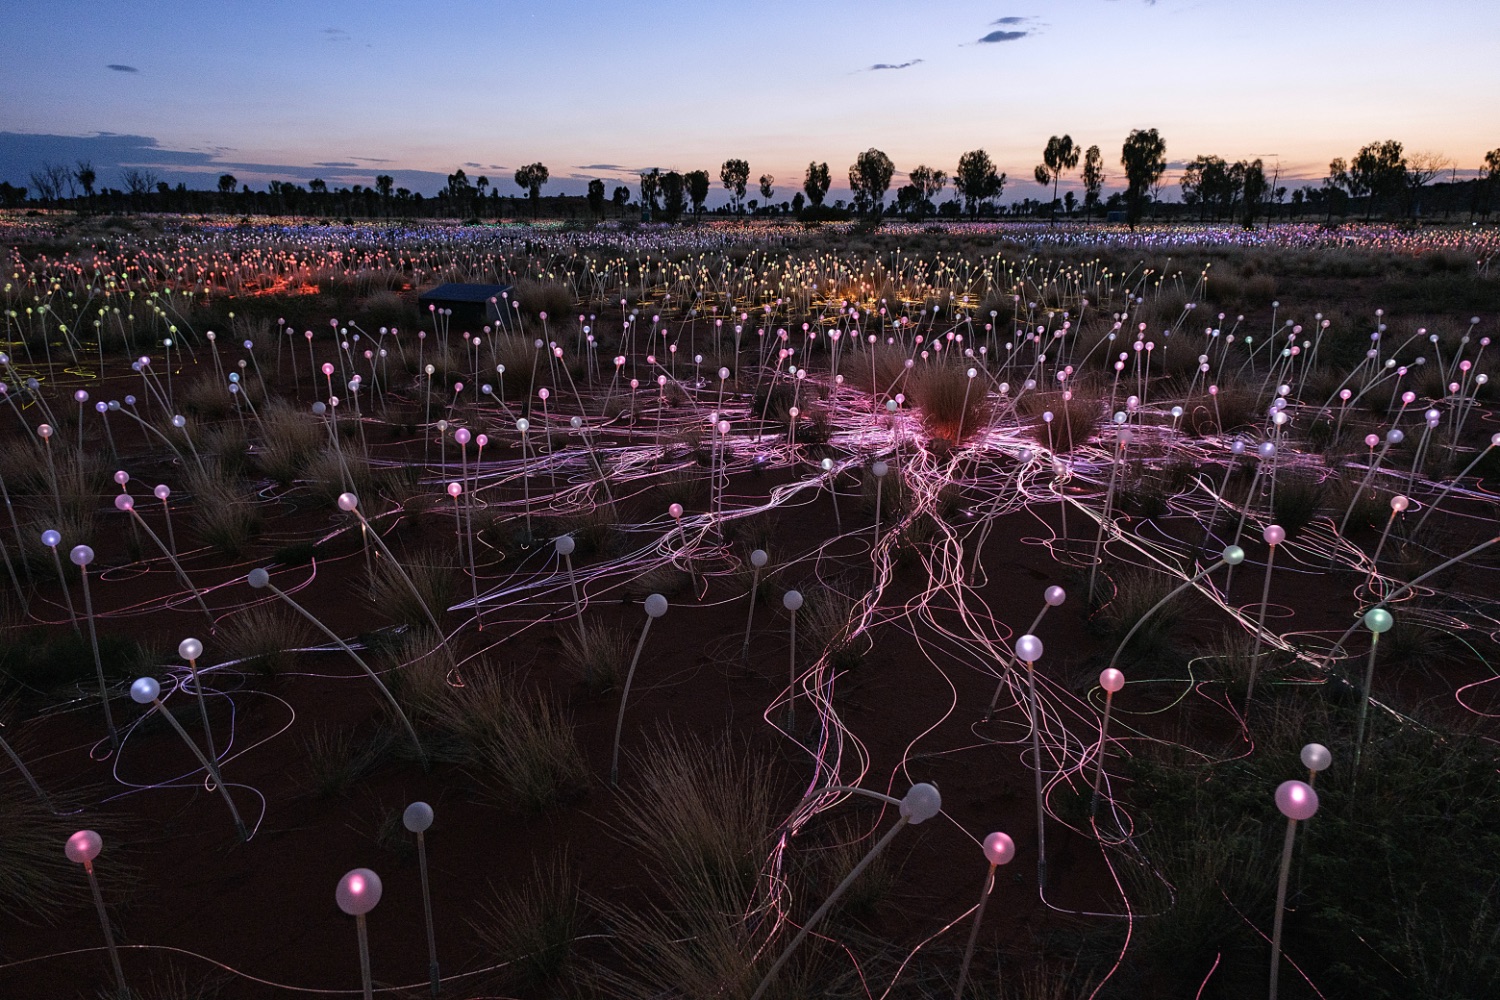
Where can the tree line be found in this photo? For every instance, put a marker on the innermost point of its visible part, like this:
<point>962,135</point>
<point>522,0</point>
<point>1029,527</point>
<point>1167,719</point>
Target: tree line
<point>1380,179</point>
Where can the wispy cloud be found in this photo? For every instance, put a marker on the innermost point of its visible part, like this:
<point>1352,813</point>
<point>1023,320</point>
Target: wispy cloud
<point>335,35</point>
<point>122,68</point>
<point>905,65</point>
<point>607,167</point>
<point>1002,36</point>
<point>1010,20</point>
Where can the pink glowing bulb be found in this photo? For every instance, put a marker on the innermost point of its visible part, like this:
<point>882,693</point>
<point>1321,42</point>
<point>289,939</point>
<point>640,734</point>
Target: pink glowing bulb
<point>1296,800</point>
<point>999,849</point>
<point>1274,534</point>
<point>83,847</point>
<point>1112,680</point>
<point>358,892</point>
<point>1029,648</point>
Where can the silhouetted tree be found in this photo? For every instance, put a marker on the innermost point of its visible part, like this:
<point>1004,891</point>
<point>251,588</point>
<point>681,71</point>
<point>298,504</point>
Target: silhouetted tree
<point>596,198</point>
<point>870,178</point>
<point>621,198</point>
<point>532,177</point>
<point>767,187</point>
<point>1059,156</point>
<point>815,183</point>
<point>50,181</point>
<point>735,175</point>
<point>976,180</point>
<point>929,183</point>
<point>85,175</point>
<point>674,198</point>
<point>697,188</point>
<point>1378,171</point>
<point>650,191</point>
<point>1144,157</point>
<point>1255,190</point>
<point>798,201</point>
<point>1421,168</point>
<point>1489,179</point>
<point>1092,177</point>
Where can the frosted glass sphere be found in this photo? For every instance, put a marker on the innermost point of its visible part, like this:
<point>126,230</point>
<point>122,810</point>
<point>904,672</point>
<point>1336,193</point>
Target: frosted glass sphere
<point>417,817</point>
<point>51,538</point>
<point>81,555</point>
<point>1029,648</point>
<point>1054,596</point>
<point>656,605</point>
<point>1296,800</point>
<point>922,802</point>
<point>190,649</point>
<point>564,545</point>
<point>1399,503</point>
<point>1274,534</point>
<point>122,477</point>
<point>145,690</point>
<point>999,849</point>
<point>675,510</point>
<point>258,578</point>
<point>1315,757</point>
<point>462,434</point>
<point>1112,680</point>
<point>791,600</point>
<point>879,469</point>
<point>124,503</point>
<point>1378,620</point>
<point>759,558</point>
<point>1233,555</point>
<point>83,846</point>
<point>1266,449</point>
<point>358,892</point>
<point>348,501</point>
<point>162,491</point>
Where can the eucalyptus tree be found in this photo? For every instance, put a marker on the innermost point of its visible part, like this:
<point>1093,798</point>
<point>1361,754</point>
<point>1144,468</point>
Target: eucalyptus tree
<point>1144,157</point>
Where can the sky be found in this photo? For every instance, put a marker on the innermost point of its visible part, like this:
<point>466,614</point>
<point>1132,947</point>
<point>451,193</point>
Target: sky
<point>344,90</point>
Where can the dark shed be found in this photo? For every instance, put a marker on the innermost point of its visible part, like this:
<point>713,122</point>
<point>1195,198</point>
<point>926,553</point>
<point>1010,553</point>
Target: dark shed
<point>475,305</point>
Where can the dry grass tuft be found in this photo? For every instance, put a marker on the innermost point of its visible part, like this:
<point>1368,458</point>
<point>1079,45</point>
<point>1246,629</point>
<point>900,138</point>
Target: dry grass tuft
<point>263,636</point>
<point>953,406</point>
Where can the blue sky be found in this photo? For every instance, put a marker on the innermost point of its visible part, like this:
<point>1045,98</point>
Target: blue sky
<point>346,90</point>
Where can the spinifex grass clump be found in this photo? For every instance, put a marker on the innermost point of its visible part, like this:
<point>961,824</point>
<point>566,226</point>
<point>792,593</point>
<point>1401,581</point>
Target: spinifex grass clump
<point>599,652</point>
<point>953,405</point>
<point>529,926</point>
<point>1137,591</point>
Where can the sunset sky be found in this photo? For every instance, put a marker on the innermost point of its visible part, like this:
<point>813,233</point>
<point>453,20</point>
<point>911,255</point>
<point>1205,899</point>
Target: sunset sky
<point>344,90</point>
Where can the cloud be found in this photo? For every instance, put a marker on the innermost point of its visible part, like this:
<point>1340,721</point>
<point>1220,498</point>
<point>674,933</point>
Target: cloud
<point>910,62</point>
<point>1002,36</point>
<point>1010,20</point>
<point>112,153</point>
<point>613,168</point>
<point>122,68</point>
<point>334,35</point>
<point>336,163</point>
